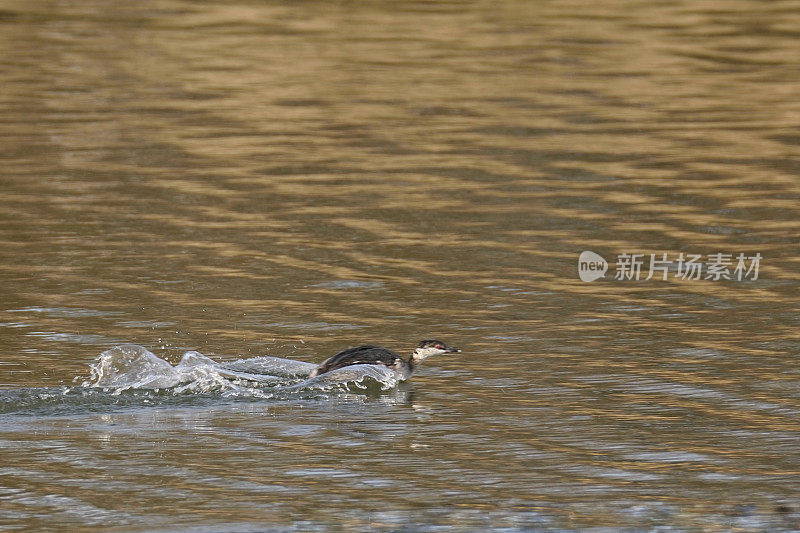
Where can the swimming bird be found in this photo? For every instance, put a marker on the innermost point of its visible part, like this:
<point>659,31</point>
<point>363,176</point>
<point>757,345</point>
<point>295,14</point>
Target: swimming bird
<point>375,355</point>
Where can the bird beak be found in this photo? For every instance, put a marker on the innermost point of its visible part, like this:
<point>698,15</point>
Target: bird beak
<point>454,350</point>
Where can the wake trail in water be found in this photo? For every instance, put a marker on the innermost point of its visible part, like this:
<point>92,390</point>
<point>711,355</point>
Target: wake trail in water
<point>132,375</point>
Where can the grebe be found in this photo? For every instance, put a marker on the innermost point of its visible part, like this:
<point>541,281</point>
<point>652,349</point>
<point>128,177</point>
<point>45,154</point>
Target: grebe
<point>375,355</point>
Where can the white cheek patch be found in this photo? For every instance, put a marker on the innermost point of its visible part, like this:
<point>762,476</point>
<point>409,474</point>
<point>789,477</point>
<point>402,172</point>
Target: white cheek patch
<point>423,353</point>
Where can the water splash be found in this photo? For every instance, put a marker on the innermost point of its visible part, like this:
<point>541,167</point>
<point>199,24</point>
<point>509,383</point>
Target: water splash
<point>131,375</point>
<point>133,367</point>
<point>130,366</point>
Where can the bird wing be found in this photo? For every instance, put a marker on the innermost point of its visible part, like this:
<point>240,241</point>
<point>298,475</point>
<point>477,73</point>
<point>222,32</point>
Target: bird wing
<point>367,354</point>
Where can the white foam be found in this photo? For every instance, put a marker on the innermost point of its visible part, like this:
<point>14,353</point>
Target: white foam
<point>134,367</point>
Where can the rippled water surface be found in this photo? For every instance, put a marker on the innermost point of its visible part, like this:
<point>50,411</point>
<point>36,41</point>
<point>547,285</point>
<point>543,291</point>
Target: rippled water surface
<point>255,180</point>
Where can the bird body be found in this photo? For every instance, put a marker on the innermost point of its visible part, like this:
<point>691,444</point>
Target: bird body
<point>369,354</point>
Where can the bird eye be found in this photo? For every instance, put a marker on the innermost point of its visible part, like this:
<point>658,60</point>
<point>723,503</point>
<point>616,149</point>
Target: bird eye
<point>439,347</point>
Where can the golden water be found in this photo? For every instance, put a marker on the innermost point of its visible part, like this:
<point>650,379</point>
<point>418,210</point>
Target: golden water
<point>292,178</point>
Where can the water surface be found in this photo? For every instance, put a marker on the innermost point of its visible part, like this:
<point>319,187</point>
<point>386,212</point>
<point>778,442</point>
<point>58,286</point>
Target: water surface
<point>255,179</point>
